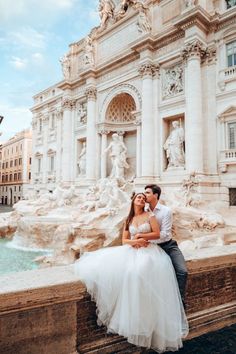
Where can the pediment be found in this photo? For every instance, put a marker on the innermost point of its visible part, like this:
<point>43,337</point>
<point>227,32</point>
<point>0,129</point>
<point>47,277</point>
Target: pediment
<point>228,113</point>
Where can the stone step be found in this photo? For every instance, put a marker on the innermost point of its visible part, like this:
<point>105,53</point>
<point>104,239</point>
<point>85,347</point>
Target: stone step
<point>108,344</point>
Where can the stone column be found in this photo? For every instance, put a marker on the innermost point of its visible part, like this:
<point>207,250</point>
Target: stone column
<point>44,165</point>
<point>67,106</point>
<point>91,94</point>
<point>104,134</point>
<point>137,123</point>
<point>59,116</point>
<point>193,53</point>
<point>147,71</point>
<point>211,146</point>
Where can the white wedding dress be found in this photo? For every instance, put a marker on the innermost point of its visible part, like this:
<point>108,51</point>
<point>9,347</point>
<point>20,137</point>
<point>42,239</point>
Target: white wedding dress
<point>136,293</point>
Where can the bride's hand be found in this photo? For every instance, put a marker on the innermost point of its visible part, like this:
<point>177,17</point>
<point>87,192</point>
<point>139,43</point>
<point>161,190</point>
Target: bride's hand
<point>141,242</point>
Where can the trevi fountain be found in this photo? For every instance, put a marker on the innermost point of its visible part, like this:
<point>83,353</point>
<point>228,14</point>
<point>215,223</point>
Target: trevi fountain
<point>127,114</point>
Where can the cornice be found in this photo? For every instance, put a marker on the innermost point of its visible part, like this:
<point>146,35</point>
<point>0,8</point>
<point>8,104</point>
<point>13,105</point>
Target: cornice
<point>226,19</point>
<point>196,17</point>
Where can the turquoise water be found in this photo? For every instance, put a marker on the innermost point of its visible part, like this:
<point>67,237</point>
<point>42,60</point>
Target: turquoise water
<point>16,260</point>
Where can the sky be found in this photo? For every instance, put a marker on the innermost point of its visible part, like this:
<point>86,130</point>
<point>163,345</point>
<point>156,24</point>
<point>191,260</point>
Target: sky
<point>34,35</point>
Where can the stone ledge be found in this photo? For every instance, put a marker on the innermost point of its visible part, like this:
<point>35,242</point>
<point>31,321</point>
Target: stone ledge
<point>39,306</point>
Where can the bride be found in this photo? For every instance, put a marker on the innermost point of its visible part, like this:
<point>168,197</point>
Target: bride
<point>134,285</point>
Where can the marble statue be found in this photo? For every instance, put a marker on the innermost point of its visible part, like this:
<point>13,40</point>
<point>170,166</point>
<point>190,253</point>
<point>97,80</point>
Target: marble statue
<point>174,146</point>
<point>143,23</point>
<point>66,67</point>
<point>117,154</point>
<point>88,51</point>
<point>82,161</point>
<point>106,11</point>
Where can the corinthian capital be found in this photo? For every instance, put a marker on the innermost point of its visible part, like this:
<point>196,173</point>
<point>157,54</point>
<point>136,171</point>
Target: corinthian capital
<point>91,93</point>
<point>148,69</point>
<point>68,103</point>
<point>194,49</point>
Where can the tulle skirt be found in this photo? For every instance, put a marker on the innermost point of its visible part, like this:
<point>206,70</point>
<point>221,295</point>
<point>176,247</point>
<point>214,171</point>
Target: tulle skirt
<point>136,294</point>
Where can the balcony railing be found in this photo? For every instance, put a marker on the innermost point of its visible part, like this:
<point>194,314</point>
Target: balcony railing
<point>230,72</point>
<point>227,157</point>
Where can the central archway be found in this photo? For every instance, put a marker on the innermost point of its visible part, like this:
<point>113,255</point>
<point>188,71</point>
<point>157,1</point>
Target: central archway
<point>120,109</point>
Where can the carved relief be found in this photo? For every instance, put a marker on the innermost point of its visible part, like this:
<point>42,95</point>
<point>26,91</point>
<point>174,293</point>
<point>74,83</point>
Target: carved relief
<point>173,81</point>
<point>81,109</point>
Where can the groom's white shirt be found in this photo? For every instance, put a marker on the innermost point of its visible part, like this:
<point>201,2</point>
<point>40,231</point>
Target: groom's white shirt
<point>163,215</point>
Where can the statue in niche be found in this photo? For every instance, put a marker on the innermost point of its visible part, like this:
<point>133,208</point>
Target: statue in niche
<point>88,51</point>
<point>174,146</point>
<point>66,66</point>
<point>82,161</point>
<point>82,114</point>
<point>143,23</point>
<point>173,81</point>
<point>118,152</point>
<point>106,11</point>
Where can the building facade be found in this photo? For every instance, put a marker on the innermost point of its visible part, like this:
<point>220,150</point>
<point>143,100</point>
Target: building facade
<point>15,167</point>
<point>162,75</point>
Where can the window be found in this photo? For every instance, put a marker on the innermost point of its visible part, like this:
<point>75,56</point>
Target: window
<point>3,178</point>
<point>6,178</point>
<point>30,160</point>
<point>19,188</point>
<point>51,166</point>
<point>232,135</point>
<point>6,164</point>
<point>11,163</point>
<point>232,196</point>
<point>16,162</point>
<point>230,3</point>
<point>20,161</point>
<point>3,165</point>
<point>19,176</point>
<point>29,175</point>
<point>15,176</point>
<point>39,165</point>
<point>10,178</point>
<point>15,189</point>
<point>231,53</point>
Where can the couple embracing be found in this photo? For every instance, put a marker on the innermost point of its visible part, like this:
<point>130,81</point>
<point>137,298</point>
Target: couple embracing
<point>139,287</point>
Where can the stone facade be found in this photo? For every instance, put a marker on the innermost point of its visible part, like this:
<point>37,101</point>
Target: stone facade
<point>15,167</point>
<point>147,65</point>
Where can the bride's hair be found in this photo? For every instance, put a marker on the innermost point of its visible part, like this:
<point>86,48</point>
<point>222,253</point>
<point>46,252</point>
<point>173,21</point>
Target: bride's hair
<point>131,211</point>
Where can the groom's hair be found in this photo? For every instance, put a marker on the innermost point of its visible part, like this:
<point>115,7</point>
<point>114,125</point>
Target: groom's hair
<point>155,189</point>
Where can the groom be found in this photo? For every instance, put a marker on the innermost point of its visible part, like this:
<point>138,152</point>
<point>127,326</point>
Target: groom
<point>164,217</point>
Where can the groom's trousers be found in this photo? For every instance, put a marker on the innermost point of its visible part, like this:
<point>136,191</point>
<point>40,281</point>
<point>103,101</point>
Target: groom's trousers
<point>178,261</point>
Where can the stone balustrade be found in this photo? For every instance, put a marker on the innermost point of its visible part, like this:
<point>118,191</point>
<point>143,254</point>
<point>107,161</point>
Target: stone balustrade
<point>49,311</point>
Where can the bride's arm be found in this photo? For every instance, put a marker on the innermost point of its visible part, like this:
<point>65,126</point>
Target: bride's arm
<point>137,242</point>
<point>154,234</point>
